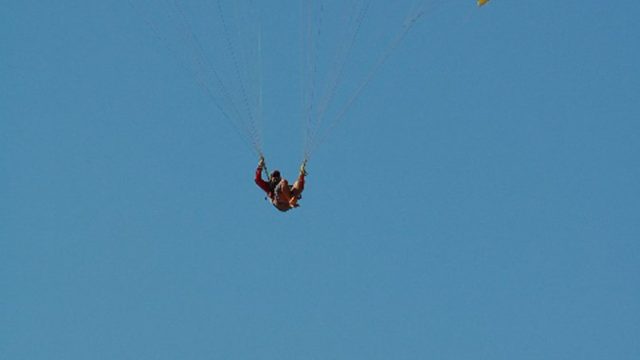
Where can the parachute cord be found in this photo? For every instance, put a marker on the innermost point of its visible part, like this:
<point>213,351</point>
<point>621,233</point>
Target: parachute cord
<point>248,124</point>
<point>310,126</point>
<point>253,15</point>
<point>201,60</point>
<point>231,50</point>
<point>342,57</point>
<point>302,64</point>
<point>204,64</point>
<point>196,73</point>
<point>408,25</point>
<point>302,59</point>
<point>260,104</point>
<point>252,75</point>
<point>337,78</point>
<point>264,167</point>
<point>308,78</point>
<point>314,33</point>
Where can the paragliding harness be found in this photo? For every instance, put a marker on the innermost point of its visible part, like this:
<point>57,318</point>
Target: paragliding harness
<point>272,196</point>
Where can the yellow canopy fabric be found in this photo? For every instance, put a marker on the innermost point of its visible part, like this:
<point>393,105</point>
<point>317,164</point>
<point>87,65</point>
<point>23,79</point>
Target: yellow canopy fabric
<point>482,2</point>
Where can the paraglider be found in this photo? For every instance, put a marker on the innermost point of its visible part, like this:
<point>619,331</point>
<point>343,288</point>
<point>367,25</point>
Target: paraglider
<point>280,194</point>
<point>482,2</point>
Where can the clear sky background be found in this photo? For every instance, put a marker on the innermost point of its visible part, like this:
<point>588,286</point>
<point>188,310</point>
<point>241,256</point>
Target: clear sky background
<point>480,200</point>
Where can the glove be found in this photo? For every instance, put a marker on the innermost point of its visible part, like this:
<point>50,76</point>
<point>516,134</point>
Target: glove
<point>261,162</point>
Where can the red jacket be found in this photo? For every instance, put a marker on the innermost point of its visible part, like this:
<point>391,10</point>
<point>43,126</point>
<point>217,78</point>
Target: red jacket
<point>263,184</point>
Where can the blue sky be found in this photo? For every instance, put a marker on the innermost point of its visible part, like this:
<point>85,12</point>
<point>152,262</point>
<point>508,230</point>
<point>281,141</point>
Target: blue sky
<point>479,200</point>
